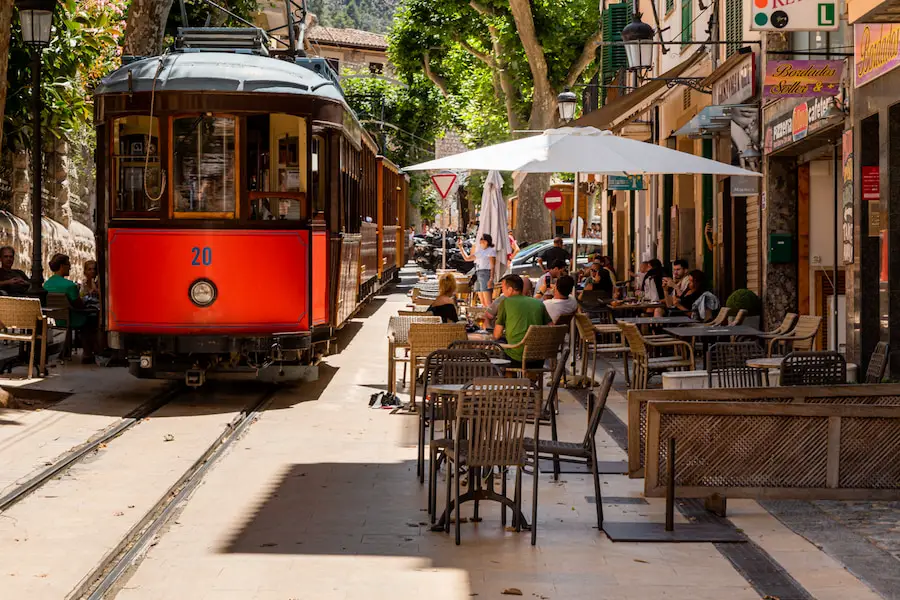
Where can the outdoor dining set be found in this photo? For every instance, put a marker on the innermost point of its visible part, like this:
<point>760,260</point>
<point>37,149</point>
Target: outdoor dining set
<point>479,419</point>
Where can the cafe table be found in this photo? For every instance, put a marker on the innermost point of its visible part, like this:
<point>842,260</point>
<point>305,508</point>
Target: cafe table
<point>708,335</point>
<point>678,320</point>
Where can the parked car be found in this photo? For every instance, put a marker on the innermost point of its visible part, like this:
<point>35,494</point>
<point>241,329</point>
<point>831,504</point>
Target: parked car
<point>525,262</point>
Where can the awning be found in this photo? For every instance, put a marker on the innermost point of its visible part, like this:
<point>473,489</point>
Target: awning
<point>710,120</point>
<point>625,108</point>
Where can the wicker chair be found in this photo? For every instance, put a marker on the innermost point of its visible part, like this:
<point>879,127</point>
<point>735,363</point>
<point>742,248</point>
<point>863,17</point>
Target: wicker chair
<point>433,374</point>
<point>18,315</point>
<point>541,343</point>
<point>644,365</point>
<point>721,318</point>
<point>398,339</point>
<point>726,363</point>
<point>425,339</point>
<point>494,413</point>
<point>813,368</point>
<point>786,325</point>
<point>586,449</point>
<point>591,347</point>
<point>878,363</point>
<point>739,317</point>
<point>492,349</point>
<point>801,338</point>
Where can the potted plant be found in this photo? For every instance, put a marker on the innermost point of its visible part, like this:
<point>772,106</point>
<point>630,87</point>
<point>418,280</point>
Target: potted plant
<point>747,300</point>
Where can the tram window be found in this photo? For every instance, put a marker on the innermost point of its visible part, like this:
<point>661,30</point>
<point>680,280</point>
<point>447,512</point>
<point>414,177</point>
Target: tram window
<point>203,163</point>
<point>137,178</point>
<point>317,185</point>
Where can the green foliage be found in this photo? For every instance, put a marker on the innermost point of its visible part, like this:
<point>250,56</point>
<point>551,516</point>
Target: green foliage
<point>368,15</point>
<point>404,120</point>
<point>744,299</point>
<point>453,32</point>
<point>83,48</point>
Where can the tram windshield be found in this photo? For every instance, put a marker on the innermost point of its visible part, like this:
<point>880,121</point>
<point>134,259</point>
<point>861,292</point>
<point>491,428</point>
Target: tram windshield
<point>136,171</point>
<point>203,166</point>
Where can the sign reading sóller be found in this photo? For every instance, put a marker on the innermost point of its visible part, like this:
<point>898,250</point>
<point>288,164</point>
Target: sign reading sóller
<point>794,15</point>
<point>802,78</point>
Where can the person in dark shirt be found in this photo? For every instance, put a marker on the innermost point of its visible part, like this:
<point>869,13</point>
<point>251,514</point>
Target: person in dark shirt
<point>694,290</point>
<point>13,282</point>
<point>599,280</point>
<point>444,306</point>
<point>554,253</point>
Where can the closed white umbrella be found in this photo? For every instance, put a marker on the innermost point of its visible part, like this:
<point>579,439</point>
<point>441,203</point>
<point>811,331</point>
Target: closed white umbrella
<point>493,219</point>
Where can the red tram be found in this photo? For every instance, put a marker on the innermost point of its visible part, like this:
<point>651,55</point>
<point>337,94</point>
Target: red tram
<point>243,213</point>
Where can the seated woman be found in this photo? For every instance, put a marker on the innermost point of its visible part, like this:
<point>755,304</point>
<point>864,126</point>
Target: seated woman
<point>84,318</point>
<point>444,306</point>
<point>90,289</point>
<point>696,299</point>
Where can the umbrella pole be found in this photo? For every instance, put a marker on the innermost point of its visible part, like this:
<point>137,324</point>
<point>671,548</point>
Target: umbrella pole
<point>574,275</point>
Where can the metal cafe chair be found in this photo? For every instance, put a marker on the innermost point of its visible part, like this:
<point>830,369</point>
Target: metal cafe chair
<point>726,363</point>
<point>813,368</point>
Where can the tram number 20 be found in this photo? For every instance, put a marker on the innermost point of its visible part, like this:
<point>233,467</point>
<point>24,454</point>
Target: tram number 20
<point>201,256</point>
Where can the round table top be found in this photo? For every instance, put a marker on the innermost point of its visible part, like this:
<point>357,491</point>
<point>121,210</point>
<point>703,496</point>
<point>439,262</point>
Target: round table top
<point>480,336</point>
<point>765,363</point>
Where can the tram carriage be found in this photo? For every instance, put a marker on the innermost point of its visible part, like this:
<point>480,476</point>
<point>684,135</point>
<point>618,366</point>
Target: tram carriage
<point>243,213</point>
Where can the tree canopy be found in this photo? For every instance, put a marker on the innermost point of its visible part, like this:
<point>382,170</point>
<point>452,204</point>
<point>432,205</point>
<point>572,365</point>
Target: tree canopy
<point>500,64</point>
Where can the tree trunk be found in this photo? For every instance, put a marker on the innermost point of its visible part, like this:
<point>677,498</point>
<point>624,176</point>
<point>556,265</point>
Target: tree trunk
<point>146,27</point>
<point>6,10</point>
<point>533,223</point>
<point>219,17</point>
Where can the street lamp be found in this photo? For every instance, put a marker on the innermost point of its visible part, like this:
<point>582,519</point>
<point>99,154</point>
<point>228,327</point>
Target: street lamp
<point>637,37</point>
<point>36,18</point>
<point>566,102</point>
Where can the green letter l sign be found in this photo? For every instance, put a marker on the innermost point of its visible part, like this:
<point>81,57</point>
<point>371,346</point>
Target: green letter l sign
<point>826,15</point>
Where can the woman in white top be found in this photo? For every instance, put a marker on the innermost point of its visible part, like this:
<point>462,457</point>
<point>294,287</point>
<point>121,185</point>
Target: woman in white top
<point>485,259</point>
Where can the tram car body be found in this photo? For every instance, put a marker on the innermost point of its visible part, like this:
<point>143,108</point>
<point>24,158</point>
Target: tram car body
<point>243,213</point>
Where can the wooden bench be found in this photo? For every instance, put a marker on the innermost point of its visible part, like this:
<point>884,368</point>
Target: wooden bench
<point>881,394</point>
<point>773,450</point>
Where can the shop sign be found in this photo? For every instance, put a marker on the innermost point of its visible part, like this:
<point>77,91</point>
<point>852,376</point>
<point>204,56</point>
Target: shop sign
<point>794,15</point>
<point>625,183</point>
<point>738,85</point>
<point>871,183</point>
<point>805,118</point>
<point>876,50</point>
<point>802,78</point>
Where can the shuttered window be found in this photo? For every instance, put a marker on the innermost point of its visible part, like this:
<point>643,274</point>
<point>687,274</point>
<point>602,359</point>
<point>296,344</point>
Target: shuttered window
<point>734,25</point>
<point>670,6</point>
<point>687,25</point>
<point>612,58</point>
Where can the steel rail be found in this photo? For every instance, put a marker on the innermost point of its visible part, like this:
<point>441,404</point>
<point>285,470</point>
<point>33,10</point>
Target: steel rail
<point>72,457</point>
<point>133,546</point>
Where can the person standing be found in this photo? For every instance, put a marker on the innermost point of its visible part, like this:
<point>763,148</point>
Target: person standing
<point>485,259</point>
<point>554,253</point>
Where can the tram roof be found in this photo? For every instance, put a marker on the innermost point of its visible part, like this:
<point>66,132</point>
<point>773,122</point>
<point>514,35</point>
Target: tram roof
<point>218,72</point>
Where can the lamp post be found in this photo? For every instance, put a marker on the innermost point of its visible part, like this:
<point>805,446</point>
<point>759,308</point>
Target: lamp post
<point>36,18</point>
<point>567,102</point>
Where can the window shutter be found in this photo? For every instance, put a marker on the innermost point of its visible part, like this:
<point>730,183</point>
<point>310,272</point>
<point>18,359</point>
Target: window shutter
<point>687,25</point>
<point>614,20</point>
<point>670,6</point>
<point>734,25</point>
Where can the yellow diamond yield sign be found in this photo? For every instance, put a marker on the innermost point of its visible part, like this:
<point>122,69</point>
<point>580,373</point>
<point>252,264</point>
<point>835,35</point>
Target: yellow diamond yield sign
<point>443,183</point>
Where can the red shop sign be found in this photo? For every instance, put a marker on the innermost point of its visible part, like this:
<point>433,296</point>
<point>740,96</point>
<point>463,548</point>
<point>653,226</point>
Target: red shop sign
<point>871,183</point>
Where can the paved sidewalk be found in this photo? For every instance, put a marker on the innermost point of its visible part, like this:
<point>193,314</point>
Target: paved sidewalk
<point>319,501</point>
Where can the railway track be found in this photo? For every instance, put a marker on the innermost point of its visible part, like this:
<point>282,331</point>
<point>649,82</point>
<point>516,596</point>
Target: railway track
<point>77,454</point>
<point>103,581</point>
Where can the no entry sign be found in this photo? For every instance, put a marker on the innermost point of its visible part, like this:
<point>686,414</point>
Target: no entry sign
<point>443,182</point>
<point>553,199</point>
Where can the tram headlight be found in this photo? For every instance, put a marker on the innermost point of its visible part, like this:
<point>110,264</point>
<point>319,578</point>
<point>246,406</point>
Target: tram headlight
<point>203,292</point>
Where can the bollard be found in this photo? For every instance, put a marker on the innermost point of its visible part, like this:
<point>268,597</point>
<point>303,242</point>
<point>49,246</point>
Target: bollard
<point>670,487</point>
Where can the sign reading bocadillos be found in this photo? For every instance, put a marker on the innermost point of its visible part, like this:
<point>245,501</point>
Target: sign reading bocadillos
<point>802,78</point>
<point>876,50</point>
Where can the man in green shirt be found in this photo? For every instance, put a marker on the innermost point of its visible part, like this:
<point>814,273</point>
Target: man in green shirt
<point>515,315</point>
<point>83,319</point>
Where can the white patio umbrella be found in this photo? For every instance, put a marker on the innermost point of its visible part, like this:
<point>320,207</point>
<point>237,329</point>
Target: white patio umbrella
<point>581,150</point>
<point>493,218</point>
